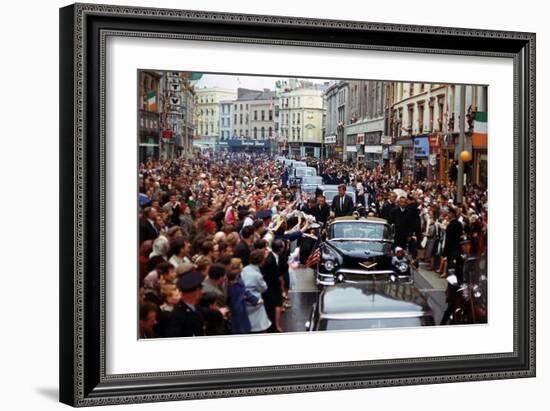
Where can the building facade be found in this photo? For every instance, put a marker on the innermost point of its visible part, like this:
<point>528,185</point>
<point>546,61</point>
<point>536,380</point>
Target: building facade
<point>148,113</point>
<point>365,126</point>
<point>226,119</point>
<point>207,115</point>
<point>475,130</point>
<point>417,120</point>
<point>301,113</point>
<point>176,115</point>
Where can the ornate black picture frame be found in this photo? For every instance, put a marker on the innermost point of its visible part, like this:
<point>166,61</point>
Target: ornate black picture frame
<point>83,30</point>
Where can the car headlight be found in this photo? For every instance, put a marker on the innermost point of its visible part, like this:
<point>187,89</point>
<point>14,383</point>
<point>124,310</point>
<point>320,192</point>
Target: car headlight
<point>329,265</point>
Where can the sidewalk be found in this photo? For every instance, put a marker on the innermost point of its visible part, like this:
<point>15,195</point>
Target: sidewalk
<point>431,278</point>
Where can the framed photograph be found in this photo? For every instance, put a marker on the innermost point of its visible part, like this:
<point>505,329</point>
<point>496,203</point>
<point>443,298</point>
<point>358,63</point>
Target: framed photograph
<point>261,204</point>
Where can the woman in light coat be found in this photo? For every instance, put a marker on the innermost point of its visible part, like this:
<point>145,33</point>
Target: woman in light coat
<point>255,283</point>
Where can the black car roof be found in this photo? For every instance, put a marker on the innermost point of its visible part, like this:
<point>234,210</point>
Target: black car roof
<point>371,298</point>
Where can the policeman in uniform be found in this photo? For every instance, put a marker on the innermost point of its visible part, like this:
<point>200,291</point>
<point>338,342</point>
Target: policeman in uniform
<point>465,271</point>
<point>187,318</point>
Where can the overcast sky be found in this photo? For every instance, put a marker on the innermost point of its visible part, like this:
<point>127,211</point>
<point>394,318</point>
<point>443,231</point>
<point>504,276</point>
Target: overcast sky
<point>231,81</point>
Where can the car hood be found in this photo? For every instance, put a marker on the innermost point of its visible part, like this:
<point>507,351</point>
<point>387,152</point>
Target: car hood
<point>360,249</point>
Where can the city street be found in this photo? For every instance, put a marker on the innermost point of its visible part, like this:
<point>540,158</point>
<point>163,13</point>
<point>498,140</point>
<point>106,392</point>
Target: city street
<point>243,178</point>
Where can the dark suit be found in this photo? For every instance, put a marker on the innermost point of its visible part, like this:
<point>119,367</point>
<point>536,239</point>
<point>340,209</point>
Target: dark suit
<point>399,218</point>
<point>183,321</point>
<point>242,251</point>
<point>273,297</point>
<point>147,231</point>
<point>323,213</point>
<point>345,209</point>
<point>386,210</point>
<point>452,239</point>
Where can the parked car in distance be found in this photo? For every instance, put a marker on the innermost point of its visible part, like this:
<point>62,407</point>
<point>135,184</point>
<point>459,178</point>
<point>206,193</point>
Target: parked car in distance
<point>296,174</point>
<point>309,184</point>
<point>368,305</point>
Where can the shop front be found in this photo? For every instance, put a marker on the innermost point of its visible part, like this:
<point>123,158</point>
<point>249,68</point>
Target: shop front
<point>330,146</point>
<point>237,145</point>
<point>404,163</point>
<point>421,157</point>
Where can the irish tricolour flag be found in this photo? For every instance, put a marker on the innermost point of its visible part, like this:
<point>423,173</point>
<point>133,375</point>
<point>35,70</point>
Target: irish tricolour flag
<point>479,138</point>
<point>152,101</point>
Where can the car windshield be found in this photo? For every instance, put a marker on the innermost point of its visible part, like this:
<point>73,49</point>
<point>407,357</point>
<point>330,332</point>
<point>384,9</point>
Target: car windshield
<point>354,229</point>
<point>364,324</point>
<point>312,180</point>
<point>302,172</point>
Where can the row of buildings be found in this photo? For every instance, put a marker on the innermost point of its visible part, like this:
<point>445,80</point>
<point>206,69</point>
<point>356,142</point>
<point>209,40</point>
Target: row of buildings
<point>410,129</point>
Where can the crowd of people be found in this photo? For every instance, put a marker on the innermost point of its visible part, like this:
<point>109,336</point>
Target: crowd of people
<point>221,234</point>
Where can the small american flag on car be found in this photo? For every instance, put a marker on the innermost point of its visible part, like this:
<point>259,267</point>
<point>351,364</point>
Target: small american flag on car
<point>314,258</point>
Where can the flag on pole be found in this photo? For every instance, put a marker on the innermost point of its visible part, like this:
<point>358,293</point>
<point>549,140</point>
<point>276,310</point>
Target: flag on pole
<point>479,137</point>
<point>152,101</point>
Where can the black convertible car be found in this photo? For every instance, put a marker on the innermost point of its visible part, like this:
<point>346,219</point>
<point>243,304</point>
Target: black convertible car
<point>359,249</point>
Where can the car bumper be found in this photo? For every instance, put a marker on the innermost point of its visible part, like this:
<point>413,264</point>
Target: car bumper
<point>326,279</point>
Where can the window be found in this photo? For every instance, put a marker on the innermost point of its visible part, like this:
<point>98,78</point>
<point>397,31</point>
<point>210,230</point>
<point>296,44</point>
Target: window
<point>298,133</point>
<point>411,112</point>
<point>420,118</point>
<point>440,115</point>
<point>241,118</point>
<point>411,89</point>
<point>241,134</point>
<point>255,132</point>
<point>298,118</point>
<point>431,125</point>
<point>270,132</point>
<point>255,115</point>
<point>246,122</point>
<point>235,118</point>
<point>235,107</point>
<point>263,115</point>
<point>270,115</point>
<point>235,133</point>
<point>263,132</point>
<point>241,106</point>
<point>293,118</point>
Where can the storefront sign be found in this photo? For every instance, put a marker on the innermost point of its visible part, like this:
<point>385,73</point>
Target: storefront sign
<point>330,139</point>
<point>421,147</point>
<point>360,138</point>
<point>385,140</point>
<point>373,149</point>
<point>351,149</point>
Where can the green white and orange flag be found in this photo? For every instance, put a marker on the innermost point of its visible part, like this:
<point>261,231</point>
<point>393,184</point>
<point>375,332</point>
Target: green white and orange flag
<point>479,138</point>
<point>152,101</point>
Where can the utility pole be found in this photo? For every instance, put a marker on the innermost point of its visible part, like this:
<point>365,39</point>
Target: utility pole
<point>460,176</point>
